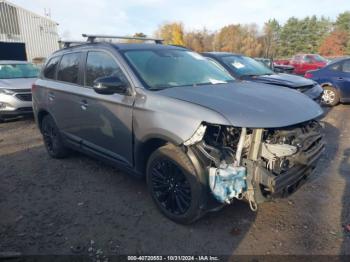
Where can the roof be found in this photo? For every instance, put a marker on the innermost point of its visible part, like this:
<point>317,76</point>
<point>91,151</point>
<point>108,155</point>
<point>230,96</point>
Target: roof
<point>125,46</point>
<point>120,46</point>
<point>339,59</point>
<point>12,62</point>
<point>220,54</point>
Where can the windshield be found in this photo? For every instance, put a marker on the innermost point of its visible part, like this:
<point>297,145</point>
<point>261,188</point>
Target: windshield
<point>160,69</point>
<point>11,71</point>
<point>246,66</point>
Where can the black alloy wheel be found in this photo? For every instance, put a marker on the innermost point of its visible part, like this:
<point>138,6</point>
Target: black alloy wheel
<point>170,187</point>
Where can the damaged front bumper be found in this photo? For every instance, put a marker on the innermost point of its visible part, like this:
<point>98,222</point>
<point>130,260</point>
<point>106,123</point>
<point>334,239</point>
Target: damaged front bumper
<point>258,164</point>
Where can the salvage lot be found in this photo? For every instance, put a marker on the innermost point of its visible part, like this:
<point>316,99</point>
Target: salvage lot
<point>50,206</point>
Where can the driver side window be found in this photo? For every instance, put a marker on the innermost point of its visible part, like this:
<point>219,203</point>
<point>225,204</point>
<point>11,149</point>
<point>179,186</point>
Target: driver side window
<point>100,64</point>
<point>307,59</point>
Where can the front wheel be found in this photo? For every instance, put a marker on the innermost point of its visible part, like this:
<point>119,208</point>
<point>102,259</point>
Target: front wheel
<point>52,138</point>
<point>330,96</point>
<point>174,185</point>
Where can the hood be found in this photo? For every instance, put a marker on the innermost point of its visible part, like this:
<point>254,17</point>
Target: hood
<point>248,104</point>
<point>17,83</point>
<point>291,81</point>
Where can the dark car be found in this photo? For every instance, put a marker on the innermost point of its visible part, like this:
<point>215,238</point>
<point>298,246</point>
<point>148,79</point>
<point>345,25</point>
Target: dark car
<point>246,68</point>
<point>335,80</point>
<point>277,68</point>
<point>199,137</point>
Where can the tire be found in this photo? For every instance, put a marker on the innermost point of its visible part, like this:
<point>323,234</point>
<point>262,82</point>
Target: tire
<point>52,138</point>
<point>330,96</point>
<point>175,186</point>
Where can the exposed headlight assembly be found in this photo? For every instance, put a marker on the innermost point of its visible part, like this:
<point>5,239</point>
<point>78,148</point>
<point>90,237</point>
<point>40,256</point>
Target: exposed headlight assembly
<point>6,91</point>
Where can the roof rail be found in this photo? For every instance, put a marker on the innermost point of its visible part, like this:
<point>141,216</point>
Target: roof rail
<point>92,38</point>
<point>67,44</point>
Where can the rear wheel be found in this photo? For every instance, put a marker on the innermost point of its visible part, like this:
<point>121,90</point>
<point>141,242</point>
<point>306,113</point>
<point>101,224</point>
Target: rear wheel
<point>52,138</point>
<point>174,185</point>
<point>330,96</point>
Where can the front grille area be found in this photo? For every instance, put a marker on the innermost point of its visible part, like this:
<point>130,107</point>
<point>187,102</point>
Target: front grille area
<point>24,109</point>
<point>23,90</point>
<point>24,97</point>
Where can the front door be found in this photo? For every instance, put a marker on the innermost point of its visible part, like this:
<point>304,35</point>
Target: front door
<point>106,127</point>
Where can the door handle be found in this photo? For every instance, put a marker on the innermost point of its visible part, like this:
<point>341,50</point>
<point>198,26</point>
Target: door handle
<point>83,104</point>
<point>51,96</point>
<point>340,78</point>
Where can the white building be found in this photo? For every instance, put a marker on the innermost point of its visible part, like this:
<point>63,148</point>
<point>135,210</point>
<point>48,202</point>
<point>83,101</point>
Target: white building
<point>24,34</point>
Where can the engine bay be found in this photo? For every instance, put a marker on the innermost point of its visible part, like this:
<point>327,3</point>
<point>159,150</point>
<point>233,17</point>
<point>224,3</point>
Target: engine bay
<point>257,164</point>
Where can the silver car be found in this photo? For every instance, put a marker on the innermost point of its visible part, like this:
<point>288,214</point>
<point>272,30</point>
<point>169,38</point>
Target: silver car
<point>16,79</point>
<point>201,139</point>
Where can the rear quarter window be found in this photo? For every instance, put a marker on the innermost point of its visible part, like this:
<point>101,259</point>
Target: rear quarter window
<point>69,68</point>
<point>51,67</point>
<point>346,66</point>
<point>335,67</point>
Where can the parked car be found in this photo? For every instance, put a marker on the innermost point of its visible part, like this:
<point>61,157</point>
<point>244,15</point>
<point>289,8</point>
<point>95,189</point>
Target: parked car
<point>16,79</point>
<point>335,80</point>
<point>288,69</point>
<point>304,62</point>
<point>201,138</point>
<point>246,68</point>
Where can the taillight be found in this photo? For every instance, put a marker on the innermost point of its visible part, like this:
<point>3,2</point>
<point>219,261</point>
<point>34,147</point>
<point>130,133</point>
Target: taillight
<point>308,75</point>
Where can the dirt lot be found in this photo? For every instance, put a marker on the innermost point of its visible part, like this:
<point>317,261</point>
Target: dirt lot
<point>68,206</point>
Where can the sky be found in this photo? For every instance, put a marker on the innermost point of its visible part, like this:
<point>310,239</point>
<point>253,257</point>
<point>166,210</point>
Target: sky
<point>126,17</point>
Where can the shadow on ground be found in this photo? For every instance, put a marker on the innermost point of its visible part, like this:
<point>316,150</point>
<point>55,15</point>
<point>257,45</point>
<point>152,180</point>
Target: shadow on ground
<point>67,206</point>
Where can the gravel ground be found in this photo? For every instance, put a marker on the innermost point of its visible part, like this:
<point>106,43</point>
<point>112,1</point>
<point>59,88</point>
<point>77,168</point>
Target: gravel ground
<point>81,206</point>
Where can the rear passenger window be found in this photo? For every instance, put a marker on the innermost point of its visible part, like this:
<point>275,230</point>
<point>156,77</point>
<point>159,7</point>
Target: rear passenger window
<point>346,66</point>
<point>51,66</point>
<point>100,64</point>
<point>335,67</point>
<point>308,59</point>
<point>69,68</point>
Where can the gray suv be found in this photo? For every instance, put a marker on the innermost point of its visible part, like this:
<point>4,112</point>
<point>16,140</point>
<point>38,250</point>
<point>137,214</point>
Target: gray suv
<point>200,138</point>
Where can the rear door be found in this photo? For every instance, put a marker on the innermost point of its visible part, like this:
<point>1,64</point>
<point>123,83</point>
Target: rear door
<point>65,94</point>
<point>342,79</point>
<point>307,64</point>
<point>296,62</point>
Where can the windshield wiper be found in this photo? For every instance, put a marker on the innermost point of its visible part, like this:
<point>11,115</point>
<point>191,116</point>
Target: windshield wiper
<point>211,83</point>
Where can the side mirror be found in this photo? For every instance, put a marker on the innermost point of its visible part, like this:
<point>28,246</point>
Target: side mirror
<point>110,85</point>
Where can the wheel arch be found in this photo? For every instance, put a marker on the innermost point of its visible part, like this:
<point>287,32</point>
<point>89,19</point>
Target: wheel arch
<point>143,151</point>
<point>40,116</point>
<point>324,84</point>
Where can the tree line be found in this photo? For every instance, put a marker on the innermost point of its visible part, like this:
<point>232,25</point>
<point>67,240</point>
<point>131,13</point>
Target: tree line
<point>308,35</point>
